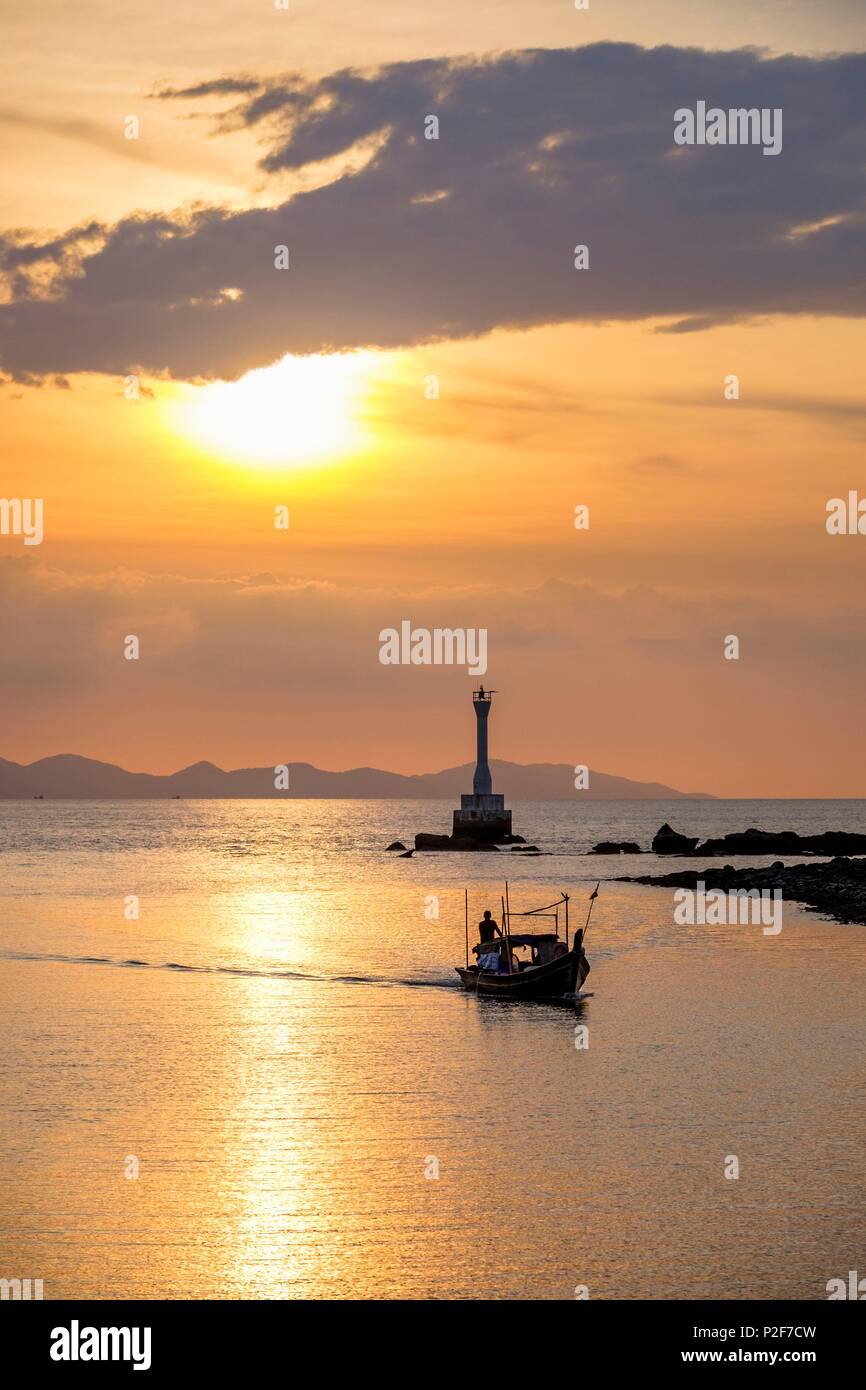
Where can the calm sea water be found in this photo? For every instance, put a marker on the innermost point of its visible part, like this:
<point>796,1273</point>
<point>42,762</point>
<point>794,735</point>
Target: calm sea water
<point>279,1048</point>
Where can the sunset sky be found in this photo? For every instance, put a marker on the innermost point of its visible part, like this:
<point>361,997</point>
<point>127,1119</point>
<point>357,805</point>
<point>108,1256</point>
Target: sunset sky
<point>453,258</point>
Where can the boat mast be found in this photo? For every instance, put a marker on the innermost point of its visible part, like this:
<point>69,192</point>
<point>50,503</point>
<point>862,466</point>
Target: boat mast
<point>466,917</point>
<point>592,898</point>
<point>504,940</point>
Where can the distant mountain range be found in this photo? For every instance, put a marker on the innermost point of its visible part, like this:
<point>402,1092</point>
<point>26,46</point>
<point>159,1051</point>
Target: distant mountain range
<point>70,776</point>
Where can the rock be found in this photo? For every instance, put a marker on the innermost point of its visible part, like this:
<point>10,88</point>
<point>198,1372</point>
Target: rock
<point>407,854</point>
<point>617,847</point>
<point>525,849</point>
<point>424,841</point>
<point>395,844</point>
<point>753,842</point>
<point>513,840</point>
<point>668,841</point>
<point>461,842</point>
<point>789,842</point>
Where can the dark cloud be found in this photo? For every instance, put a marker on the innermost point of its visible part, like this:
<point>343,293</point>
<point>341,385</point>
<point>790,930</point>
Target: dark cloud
<point>219,86</point>
<point>447,238</point>
<point>60,383</point>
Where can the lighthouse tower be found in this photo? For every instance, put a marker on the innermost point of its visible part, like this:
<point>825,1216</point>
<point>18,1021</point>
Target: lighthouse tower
<point>482,815</point>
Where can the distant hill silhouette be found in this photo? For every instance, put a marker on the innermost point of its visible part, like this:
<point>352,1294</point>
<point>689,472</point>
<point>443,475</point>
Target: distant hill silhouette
<point>70,776</point>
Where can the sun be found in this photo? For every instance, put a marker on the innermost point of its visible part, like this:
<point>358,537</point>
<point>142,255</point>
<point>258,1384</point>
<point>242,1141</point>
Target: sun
<point>298,410</point>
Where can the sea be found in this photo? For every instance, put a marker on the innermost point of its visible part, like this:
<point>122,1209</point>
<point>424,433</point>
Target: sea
<point>237,1062</point>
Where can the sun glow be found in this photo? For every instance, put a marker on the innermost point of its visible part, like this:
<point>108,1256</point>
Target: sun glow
<point>301,408</point>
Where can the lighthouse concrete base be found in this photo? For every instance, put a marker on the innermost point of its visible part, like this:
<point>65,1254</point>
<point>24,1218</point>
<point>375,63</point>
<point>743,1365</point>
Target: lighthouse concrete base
<point>483,818</point>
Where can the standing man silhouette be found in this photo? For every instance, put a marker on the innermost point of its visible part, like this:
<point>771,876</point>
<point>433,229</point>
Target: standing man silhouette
<point>488,930</point>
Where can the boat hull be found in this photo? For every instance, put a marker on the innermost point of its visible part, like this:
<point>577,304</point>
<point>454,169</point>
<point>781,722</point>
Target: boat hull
<point>557,979</point>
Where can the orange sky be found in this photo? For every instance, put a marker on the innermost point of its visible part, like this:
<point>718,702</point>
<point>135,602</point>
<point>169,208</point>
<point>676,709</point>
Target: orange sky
<point>261,646</point>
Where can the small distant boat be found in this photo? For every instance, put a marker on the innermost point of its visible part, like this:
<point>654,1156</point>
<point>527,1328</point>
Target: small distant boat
<point>529,965</point>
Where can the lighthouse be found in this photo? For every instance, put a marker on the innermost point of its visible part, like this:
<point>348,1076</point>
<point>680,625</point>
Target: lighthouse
<point>482,814</point>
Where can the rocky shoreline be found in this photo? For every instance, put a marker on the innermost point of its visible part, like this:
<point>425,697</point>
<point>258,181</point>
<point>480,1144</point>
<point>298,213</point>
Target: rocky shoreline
<point>669,841</point>
<point>837,888</point>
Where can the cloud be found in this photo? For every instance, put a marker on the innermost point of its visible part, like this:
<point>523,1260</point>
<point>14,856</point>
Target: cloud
<point>219,86</point>
<point>60,383</point>
<point>435,239</point>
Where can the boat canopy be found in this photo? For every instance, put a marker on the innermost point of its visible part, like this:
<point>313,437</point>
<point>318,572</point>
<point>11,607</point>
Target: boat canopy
<point>524,940</point>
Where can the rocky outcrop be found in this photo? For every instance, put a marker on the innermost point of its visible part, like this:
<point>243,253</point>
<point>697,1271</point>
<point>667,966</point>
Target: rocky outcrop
<point>837,888</point>
<point>668,841</point>
<point>395,844</point>
<point>829,842</point>
<point>459,842</point>
<point>752,841</point>
<point>617,847</point>
<point>424,841</point>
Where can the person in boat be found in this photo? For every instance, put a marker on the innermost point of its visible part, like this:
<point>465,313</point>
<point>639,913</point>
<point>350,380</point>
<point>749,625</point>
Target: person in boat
<point>488,930</point>
<point>508,959</point>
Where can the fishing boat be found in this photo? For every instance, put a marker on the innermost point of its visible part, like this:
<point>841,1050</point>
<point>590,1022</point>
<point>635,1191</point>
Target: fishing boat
<point>525,964</point>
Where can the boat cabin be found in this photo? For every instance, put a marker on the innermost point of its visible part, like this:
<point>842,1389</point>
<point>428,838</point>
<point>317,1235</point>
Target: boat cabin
<point>527,950</point>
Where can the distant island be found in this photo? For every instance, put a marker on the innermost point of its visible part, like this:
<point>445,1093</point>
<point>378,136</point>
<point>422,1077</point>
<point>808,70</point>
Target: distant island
<point>70,776</point>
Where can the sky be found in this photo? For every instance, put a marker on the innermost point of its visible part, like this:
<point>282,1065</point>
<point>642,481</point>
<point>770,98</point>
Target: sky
<point>431,388</point>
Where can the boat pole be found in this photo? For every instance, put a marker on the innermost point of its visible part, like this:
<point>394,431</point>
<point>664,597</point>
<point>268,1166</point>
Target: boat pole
<point>466,916</point>
<point>592,898</point>
<point>507,928</point>
<point>565,896</point>
<point>503,945</point>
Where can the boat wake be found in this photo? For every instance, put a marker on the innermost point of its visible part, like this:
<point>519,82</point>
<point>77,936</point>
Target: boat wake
<point>242,971</point>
